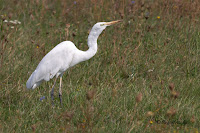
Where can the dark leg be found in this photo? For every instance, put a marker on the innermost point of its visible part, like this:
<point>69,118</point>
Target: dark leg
<point>52,92</point>
<point>60,91</point>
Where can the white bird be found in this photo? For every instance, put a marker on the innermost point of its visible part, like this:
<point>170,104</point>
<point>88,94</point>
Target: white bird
<point>64,56</point>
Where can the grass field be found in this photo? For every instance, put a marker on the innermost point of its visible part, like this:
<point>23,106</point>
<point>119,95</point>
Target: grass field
<point>145,76</point>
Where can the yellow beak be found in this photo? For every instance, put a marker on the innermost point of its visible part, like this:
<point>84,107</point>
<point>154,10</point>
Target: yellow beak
<point>112,22</point>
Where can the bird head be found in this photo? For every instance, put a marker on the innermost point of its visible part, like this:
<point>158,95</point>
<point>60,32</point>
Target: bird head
<point>100,26</point>
<point>109,23</point>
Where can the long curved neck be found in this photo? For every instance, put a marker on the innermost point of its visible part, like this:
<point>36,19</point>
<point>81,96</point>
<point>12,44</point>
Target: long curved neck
<point>80,56</point>
<point>92,44</point>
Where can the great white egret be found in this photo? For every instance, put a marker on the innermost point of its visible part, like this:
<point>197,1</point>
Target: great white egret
<point>64,56</point>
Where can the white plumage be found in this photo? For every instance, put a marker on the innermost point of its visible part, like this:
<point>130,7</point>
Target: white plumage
<point>56,62</point>
<point>64,56</point>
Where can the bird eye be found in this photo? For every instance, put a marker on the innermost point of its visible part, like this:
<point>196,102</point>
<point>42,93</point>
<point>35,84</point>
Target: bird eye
<point>101,24</point>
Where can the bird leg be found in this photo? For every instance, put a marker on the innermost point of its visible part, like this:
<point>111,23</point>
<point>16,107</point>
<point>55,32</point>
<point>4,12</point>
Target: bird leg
<point>60,91</point>
<point>52,92</point>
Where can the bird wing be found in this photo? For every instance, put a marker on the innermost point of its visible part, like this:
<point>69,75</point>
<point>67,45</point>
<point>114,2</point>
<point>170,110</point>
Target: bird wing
<point>54,63</point>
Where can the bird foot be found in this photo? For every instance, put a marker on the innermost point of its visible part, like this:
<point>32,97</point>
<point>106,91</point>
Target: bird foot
<point>60,96</point>
<point>52,98</point>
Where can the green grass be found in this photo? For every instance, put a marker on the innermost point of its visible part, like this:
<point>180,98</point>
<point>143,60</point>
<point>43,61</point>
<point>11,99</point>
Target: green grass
<point>128,79</point>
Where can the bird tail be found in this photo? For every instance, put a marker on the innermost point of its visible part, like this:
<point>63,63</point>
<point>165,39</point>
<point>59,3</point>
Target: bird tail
<point>29,84</point>
<point>32,83</point>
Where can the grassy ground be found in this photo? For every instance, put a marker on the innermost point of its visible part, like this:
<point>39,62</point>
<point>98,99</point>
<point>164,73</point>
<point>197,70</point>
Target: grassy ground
<point>144,78</point>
